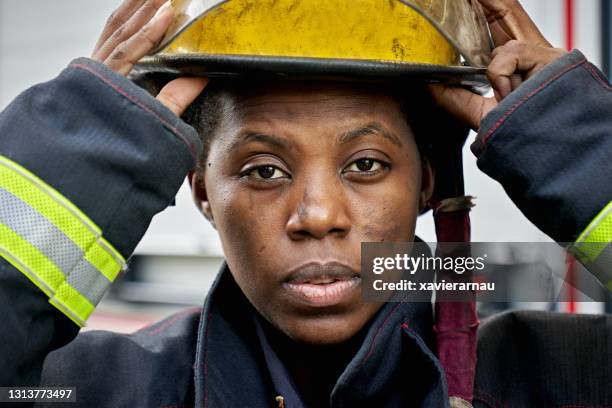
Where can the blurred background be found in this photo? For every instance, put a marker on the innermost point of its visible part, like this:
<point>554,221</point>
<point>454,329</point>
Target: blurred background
<point>178,258</point>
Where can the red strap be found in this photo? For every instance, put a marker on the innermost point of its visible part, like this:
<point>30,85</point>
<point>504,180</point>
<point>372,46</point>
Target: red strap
<point>456,322</point>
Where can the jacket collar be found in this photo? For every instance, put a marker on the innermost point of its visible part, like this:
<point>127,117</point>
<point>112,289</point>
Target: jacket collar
<point>393,367</point>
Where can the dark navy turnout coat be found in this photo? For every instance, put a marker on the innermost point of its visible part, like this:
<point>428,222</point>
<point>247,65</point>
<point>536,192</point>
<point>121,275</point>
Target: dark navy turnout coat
<point>86,161</point>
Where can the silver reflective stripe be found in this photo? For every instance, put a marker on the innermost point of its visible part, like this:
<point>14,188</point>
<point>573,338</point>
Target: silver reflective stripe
<point>88,281</point>
<point>38,231</point>
<point>54,244</point>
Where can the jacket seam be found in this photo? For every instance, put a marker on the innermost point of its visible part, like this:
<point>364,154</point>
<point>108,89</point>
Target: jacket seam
<point>375,338</point>
<point>521,102</point>
<point>373,344</point>
<point>597,76</point>
<point>430,354</point>
<point>141,105</point>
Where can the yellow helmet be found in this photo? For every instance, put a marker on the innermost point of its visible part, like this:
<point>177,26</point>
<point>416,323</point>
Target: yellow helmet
<point>437,40</point>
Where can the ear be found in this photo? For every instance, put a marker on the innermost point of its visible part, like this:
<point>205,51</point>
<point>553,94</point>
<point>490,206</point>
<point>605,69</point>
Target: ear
<point>200,197</point>
<point>427,184</point>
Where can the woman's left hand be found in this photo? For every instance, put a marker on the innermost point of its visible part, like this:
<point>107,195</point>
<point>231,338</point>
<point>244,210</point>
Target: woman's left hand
<point>521,51</point>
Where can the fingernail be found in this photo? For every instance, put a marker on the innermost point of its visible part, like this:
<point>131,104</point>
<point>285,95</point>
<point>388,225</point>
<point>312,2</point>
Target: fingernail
<point>163,9</point>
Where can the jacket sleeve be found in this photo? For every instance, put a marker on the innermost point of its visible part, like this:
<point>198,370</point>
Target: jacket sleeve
<point>549,144</point>
<point>86,161</point>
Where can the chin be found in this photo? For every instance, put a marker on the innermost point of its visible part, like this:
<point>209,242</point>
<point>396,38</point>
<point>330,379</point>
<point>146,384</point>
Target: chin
<point>323,330</point>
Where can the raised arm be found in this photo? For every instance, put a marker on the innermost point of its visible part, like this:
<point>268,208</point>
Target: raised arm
<point>86,160</point>
<point>546,136</point>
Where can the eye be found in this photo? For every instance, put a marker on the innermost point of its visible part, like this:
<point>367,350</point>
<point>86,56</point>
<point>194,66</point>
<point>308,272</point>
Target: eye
<point>365,166</point>
<point>267,173</point>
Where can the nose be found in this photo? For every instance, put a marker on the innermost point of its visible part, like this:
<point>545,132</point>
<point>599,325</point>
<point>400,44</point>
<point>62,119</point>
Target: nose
<point>320,211</point>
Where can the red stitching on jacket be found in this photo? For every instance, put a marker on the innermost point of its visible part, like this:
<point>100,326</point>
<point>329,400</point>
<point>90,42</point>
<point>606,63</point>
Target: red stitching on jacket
<point>372,346</point>
<point>597,76</point>
<point>138,103</point>
<point>164,325</point>
<point>517,105</point>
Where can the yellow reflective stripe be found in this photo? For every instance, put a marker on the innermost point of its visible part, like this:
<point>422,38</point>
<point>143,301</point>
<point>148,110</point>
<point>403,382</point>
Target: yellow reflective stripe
<point>596,236</point>
<point>48,202</point>
<point>103,243</point>
<point>600,229</point>
<point>30,261</point>
<point>45,275</point>
<point>46,206</point>
<point>104,258</point>
<point>80,308</point>
<point>54,207</point>
<point>67,312</point>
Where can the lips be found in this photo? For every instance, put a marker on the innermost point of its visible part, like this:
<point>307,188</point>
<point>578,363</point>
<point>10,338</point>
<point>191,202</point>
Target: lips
<point>322,285</point>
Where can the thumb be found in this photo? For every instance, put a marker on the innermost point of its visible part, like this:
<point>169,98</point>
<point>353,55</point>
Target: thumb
<point>466,106</point>
<point>178,94</point>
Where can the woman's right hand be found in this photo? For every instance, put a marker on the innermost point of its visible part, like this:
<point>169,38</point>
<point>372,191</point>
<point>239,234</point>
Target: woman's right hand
<point>132,31</point>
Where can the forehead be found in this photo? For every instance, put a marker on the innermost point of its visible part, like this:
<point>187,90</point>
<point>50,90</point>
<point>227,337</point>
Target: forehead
<point>317,104</point>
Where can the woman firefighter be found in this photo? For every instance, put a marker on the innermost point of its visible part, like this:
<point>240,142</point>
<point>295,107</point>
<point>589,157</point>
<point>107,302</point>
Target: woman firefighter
<point>294,175</point>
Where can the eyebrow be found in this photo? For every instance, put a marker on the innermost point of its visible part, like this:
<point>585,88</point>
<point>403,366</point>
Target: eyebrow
<point>367,130</point>
<point>261,138</point>
<point>370,129</point>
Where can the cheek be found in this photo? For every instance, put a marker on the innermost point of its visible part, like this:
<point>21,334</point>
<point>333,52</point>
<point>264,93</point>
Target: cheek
<point>393,221</point>
<point>389,213</point>
<point>248,230</point>
<point>254,221</point>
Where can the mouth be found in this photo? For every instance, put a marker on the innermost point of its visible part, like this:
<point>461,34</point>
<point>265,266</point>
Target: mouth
<point>322,285</point>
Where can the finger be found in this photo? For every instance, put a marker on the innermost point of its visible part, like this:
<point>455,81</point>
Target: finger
<point>178,94</point>
<point>505,63</point>
<point>516,80</point>
<point>129,27</point>
<point>126,54</point>
<point>497,96</point>
<point>516,62</point>
<point>116,20</point>
<point>466,106</point>
<point>504,85</point>
<point>508,21</point>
